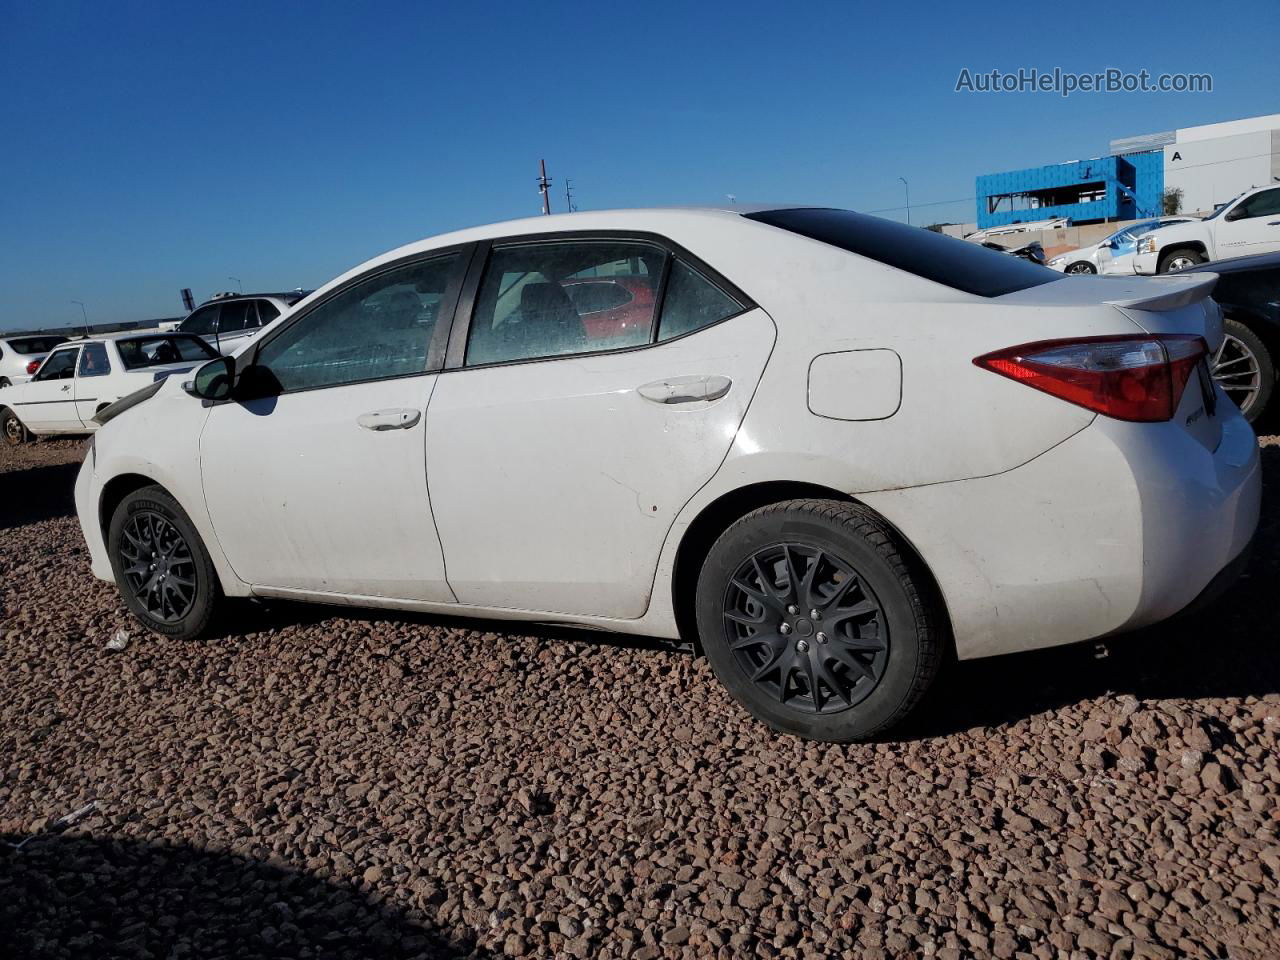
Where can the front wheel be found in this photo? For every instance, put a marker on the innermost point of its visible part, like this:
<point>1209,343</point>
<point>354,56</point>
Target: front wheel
<point>1244,369</point>
<point>1179,260</point>
<point>14,432</point>
<point>161,565</point>
<point>1081,267</point>
<point>815,621</point>
<point>4,382</point>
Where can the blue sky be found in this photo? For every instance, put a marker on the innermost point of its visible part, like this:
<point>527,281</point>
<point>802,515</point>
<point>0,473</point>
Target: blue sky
<point>150,147</point>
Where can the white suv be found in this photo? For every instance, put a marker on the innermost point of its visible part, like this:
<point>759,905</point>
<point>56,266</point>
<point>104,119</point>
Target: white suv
<point>1248,224</point>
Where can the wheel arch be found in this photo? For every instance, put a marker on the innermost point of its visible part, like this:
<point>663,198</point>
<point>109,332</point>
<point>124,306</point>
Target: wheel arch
<point>720,514</point>
<point>1196,246</point>
<point>115,490</point>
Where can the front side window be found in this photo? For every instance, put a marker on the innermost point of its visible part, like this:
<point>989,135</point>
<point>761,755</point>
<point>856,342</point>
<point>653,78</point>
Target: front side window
<point>156,351</point>
<point>93,360</point>
<point>60,365</point>
<point>373,330</point>
<point>202,322</point>
<point>527,308</point>
<point>1264,204</point>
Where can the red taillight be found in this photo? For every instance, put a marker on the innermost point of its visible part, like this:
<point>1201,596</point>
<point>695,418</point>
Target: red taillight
<point>32,367</point>
<point>1129,378</point>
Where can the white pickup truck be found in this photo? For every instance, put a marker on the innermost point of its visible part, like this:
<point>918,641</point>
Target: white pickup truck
<point>1246,225</point>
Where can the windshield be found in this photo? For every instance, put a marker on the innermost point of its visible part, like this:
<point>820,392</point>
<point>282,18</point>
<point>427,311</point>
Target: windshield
<point>955,263</point>
<point>156,351</point>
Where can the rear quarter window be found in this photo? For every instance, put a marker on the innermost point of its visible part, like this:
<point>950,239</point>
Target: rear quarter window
<point>954,263</point>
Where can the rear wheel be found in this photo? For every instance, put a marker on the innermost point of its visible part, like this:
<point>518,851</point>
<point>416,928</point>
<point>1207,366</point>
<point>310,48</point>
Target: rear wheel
<point>1244,369</point>
<point>161,565</point>
<point>14,432</point>
<point>1081,266</point>
<point>1177,260</point>
<point>814,620</point>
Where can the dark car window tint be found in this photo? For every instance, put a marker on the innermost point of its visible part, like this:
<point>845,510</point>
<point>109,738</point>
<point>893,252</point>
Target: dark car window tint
<point>202,322</point>
<point>93,360</point>
<point>525,311</point>
<point>267,311</point>
<point>139,352</point>
<point>958,264</point>
<point>28,346</point>
<point>376,329</point>
<point>1264,204</point>
<point>60,365</point>
<point>692,301</point>
<point>234,317</point>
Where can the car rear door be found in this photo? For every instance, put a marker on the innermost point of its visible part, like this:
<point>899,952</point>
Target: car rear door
<point>47,403</point>
<point>315,482</point>
<point>94,365</point>
<point>557,462</point>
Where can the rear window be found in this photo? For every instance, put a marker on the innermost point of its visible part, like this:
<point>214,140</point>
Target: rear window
<point>156,351</point>
<point>32,345</point>
<point>954,263</point>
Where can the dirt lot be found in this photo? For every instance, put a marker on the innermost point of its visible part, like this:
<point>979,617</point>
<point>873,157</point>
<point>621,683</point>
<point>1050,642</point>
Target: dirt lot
<point>318,784</point>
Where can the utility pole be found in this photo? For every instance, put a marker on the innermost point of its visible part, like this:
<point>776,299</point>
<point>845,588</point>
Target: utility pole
<point>908,192</point>
<point>544,188</point>
<point>568,196</point>
<point>83,314</point>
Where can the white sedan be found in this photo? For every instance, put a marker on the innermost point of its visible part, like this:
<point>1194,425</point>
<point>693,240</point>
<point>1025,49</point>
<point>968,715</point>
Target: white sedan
<point>831,449</point>
<point>80,378</point>
<point>1113,254</point>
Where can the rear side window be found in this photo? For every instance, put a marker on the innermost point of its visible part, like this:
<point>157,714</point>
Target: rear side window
<point>236,315</point>
<point>93,360</point>
<point>157,351</point>
<point>958,264</point>
<point>266,312</point>
<point>29,346</point>
<point>692,302</point>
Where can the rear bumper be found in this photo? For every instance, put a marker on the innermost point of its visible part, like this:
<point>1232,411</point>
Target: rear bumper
<point>1120,526</point>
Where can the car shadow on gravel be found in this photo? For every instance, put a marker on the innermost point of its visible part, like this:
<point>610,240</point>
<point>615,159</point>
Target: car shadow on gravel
<point>36,494</point>
<point>81,896</point>
<point>1227,650</point>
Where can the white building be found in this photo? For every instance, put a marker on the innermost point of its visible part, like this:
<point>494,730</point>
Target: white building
<point>1214,162</point>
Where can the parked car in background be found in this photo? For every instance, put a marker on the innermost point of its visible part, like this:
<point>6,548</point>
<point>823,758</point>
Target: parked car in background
<point>20,357</point>
<point>230,320</point>
<point>1033,251</point>
<point>1113,254</point>
<point>1247,225</point>
<point>1248,293</point>
<point>840,452</point>
<point>80,378</point>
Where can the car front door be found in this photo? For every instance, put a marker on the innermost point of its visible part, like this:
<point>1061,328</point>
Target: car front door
<point>558,460</point>
<point>47,404</point>
<point>319,485</point>
<point>1252,226</point>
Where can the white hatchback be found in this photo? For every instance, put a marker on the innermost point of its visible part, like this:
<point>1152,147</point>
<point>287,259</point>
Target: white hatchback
<point>831,449</point>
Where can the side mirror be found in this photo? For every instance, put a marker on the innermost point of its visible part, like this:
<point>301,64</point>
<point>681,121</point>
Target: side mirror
<point>1238,213</point>
<point>214,381</point>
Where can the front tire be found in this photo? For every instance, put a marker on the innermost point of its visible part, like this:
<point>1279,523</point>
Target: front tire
<point>1244,369</point>
<point>15,434</point>
<point>814,620</point>
<point>1081,267</point>
<point>161,565</point>
<point>1177,260</point>
<point>4,382</point>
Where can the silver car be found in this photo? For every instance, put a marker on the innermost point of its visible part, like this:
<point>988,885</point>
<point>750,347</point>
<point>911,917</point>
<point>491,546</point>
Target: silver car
<point>20,357</point>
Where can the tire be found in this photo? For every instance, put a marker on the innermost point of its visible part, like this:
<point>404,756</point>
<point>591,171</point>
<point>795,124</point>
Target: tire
<point>11,428</point>
<point>1176,260</point>
<point>150,521</point>
<point>1243,367</point>
<point>872,602</point>
<point>4,382</point>
<point>1080,267</point>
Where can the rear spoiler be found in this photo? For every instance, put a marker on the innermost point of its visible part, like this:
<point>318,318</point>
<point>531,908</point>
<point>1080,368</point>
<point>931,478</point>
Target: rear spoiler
<point>1182,290</point>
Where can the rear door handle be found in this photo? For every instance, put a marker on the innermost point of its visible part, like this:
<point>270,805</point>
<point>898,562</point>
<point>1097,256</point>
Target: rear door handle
<point>686,389</point>
<point>398,419</point>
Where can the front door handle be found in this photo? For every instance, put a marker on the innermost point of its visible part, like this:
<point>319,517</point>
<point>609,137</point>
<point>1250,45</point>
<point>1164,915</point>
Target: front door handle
<point>398,419</point>
<point>686,389</point>
<point>67,387</point>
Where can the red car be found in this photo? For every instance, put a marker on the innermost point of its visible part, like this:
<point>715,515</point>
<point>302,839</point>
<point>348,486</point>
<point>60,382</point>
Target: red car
<point>613,307</point>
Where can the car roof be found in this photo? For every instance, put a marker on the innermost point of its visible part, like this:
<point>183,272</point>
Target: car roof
<point>289,296</point>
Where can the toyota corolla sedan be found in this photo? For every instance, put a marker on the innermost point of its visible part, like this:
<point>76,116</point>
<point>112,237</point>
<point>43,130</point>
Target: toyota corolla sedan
<point>842,451</point>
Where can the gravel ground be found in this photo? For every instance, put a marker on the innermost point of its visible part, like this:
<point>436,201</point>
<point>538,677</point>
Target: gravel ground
<point>331,785</point>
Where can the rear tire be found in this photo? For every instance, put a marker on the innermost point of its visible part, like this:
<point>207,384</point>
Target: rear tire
<point>161,565</point>
<point>1243,367</point>
<point>1081,267</point>
<point>815,620</point>
<point>1177,260</point>
<point>11,428</point>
